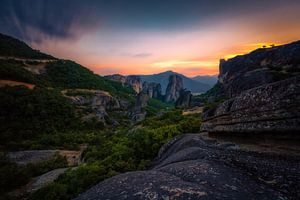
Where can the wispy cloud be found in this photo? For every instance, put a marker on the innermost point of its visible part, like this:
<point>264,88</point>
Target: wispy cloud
<point>137,55</point>
<point>185,63</point>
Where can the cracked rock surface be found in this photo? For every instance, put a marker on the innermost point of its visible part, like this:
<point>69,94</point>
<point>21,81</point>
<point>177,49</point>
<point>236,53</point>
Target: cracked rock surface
<point>191,167</point>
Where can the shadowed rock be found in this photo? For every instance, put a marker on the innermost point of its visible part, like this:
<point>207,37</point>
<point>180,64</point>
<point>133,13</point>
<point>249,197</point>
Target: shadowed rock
<point>272,107</point>
<point>191,167</point>
<point>174,88</point>
<point>132,81</point>
<point>262,66</point>
<point>184,100</point>
<point>153,90</point>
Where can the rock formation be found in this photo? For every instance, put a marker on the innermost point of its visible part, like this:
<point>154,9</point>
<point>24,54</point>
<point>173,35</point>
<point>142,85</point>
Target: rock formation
<point>264,92</point>
<point>272,107</point>
<point>191,167</point>
<point>153,90</point>
<point>139,113</point>
<point>184,100</point>
<point>132,81</point>
<point>99,102</point>
<point>135,82</point>
<point>174,88</point>
<point>259,67</point>
<point>117,77</point>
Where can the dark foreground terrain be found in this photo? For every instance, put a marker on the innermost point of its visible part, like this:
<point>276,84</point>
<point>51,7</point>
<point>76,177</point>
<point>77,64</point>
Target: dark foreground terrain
<point>198,167</point>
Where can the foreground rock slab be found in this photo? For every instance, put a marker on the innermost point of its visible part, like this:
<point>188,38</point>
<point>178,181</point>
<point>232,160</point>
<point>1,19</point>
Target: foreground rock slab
<point>191,167</point>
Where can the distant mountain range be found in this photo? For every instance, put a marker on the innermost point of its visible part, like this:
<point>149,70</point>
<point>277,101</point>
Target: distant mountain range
<point>209,80</point>
<point>198,84</point>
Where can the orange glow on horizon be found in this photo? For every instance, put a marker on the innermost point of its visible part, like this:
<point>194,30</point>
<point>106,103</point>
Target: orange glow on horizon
<point>189,67</point>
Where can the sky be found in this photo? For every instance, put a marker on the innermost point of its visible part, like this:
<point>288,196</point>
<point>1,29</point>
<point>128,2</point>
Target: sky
<point>150,36</point>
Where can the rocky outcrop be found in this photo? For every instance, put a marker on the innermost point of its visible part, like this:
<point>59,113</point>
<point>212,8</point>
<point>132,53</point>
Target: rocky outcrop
<point>184,100</point>
<point>38,156</point>
<point>44,180</point>
<point>117,77</point>
<point>142,100</point>
<point>174,88</point>
<point>95,102</point>
<point>272,107</point>
<point>135,82</point>
<point>262,66</point>
<point>139,112</point>
<point>132,81</point>
<point>153,90</point>
<point>192,167</point>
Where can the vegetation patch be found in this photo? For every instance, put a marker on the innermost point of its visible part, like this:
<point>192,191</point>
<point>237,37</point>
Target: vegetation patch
<point>127,149</point>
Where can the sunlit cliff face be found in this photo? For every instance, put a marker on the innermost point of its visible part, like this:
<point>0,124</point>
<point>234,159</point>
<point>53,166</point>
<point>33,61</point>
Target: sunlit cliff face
<point>140,37</point>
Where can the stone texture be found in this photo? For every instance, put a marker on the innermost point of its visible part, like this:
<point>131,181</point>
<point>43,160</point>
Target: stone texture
<point>132,81</point>
<point>262,66</point>
<point>99,101</point>
<point>117,77</point>
<point>271,107</point>
<point>37,156</point>
<point>44,179</point>
<point>174,88</point>
<point>153,90</point>
<point>191,167</point>
<point>135,82</point>
<point>184,100</point>
<point>139,112</point>
<point>31,156</point>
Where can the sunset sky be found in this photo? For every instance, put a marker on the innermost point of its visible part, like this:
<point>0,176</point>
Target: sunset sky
<point>150,36</point>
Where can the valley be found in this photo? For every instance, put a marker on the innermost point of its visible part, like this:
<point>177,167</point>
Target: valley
<point>68,133</point>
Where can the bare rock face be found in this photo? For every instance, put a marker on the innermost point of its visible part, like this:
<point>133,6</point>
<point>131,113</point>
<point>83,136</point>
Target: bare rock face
<point>142,100</point>
<point>184,100</point>
<point>174,88</point>
<point>153,89</point>
<point>191,167</point>
<point>132,81</point>
<point>139,113</point>
<point>272,107</point>
<point>99,101</point>
<point>135,82</point>
<point>117,77</point>
<point>262,66</point>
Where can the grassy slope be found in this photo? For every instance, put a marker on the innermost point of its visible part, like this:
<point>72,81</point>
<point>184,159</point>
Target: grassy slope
<point>11,47</point>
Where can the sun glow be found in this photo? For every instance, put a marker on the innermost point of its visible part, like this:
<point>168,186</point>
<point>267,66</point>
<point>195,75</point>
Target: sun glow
<point>247,48</point>
<point>184,64</point>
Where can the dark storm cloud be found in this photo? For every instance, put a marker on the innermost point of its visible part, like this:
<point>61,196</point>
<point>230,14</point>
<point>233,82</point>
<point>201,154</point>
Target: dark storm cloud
<point>36,19</point>
<point>67,19</point>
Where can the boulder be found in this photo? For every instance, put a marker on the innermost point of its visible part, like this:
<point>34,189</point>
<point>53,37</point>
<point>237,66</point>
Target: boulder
<point>191,167</point>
